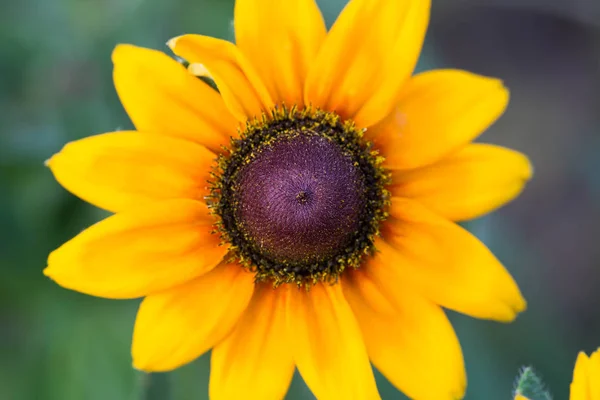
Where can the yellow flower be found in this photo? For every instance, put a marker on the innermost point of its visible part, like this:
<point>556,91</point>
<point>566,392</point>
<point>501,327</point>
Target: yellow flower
<point>258,221</point>
<point>586,378</point>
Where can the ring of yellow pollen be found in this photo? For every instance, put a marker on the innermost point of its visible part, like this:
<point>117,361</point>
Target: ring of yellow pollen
<point>299,196</point>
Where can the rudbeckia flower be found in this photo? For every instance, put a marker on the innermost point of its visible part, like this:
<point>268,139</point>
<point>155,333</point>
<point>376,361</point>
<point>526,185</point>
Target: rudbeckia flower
<point>303,215</point>
<point>586,378</point>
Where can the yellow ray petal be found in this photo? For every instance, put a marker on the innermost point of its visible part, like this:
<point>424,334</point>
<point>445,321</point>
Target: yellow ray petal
<point>134,253</point>
<point>520,397</point>
<point>466,184</point>
<point>243,92</point>
<point>160,95</point>
<point>177,326</point>
<point>281,40</point>
<point>367,56</point>
<point>122,170</point>
<point>448,265</point>
<point>328,346</point>
<point>255,360</point>
<point>580,387</point>
<point>408,338</point>
<point>199,70</point>
<point>594,375</point>
<point>439,112</point>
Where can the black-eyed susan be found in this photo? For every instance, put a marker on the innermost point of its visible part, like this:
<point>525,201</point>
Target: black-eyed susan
<point>303,216</point>
<point>586,379</point>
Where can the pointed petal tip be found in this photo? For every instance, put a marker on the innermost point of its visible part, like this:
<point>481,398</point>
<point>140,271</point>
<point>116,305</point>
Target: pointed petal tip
<point>500,83</point>
<point>198,69</point>
<point>581,357</point>
<point>171,43</point>
<point>459,392</point>
<point>523,166</point>
<point>52,269</point>
<point>528,169</point>
<point>512,309</point>
<point>144,363</point>
<point>523,306</point>
<point>503,93</point>
<point>518,304</point>
<point>492,86</point>
<point>60,277</point>
<point>46,271</point>
<point>57,273</point>
<point>56,158</point>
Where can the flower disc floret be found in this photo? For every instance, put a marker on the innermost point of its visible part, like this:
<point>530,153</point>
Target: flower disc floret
<point>299,196</point>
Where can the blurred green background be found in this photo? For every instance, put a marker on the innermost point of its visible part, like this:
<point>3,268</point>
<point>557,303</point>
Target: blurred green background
<point>56,86</point>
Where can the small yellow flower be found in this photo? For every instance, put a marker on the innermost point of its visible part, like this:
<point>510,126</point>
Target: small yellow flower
<point>303,216</point>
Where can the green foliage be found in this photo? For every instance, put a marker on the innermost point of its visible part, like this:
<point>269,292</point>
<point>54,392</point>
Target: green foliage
<point>531,386</point>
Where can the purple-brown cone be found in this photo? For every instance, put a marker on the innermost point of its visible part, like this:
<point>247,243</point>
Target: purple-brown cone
<point>299,197</point>
<point>299,200</point>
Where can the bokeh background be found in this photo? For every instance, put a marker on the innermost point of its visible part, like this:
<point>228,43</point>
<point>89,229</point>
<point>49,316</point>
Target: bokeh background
<point>56,86</point>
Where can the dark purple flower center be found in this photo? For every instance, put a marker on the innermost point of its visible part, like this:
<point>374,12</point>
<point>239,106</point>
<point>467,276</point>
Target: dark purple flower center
<point>299,197</point>
<point>299,200</point>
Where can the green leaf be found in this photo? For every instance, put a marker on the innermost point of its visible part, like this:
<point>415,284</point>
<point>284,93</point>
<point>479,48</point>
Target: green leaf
<point>528,384</point>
